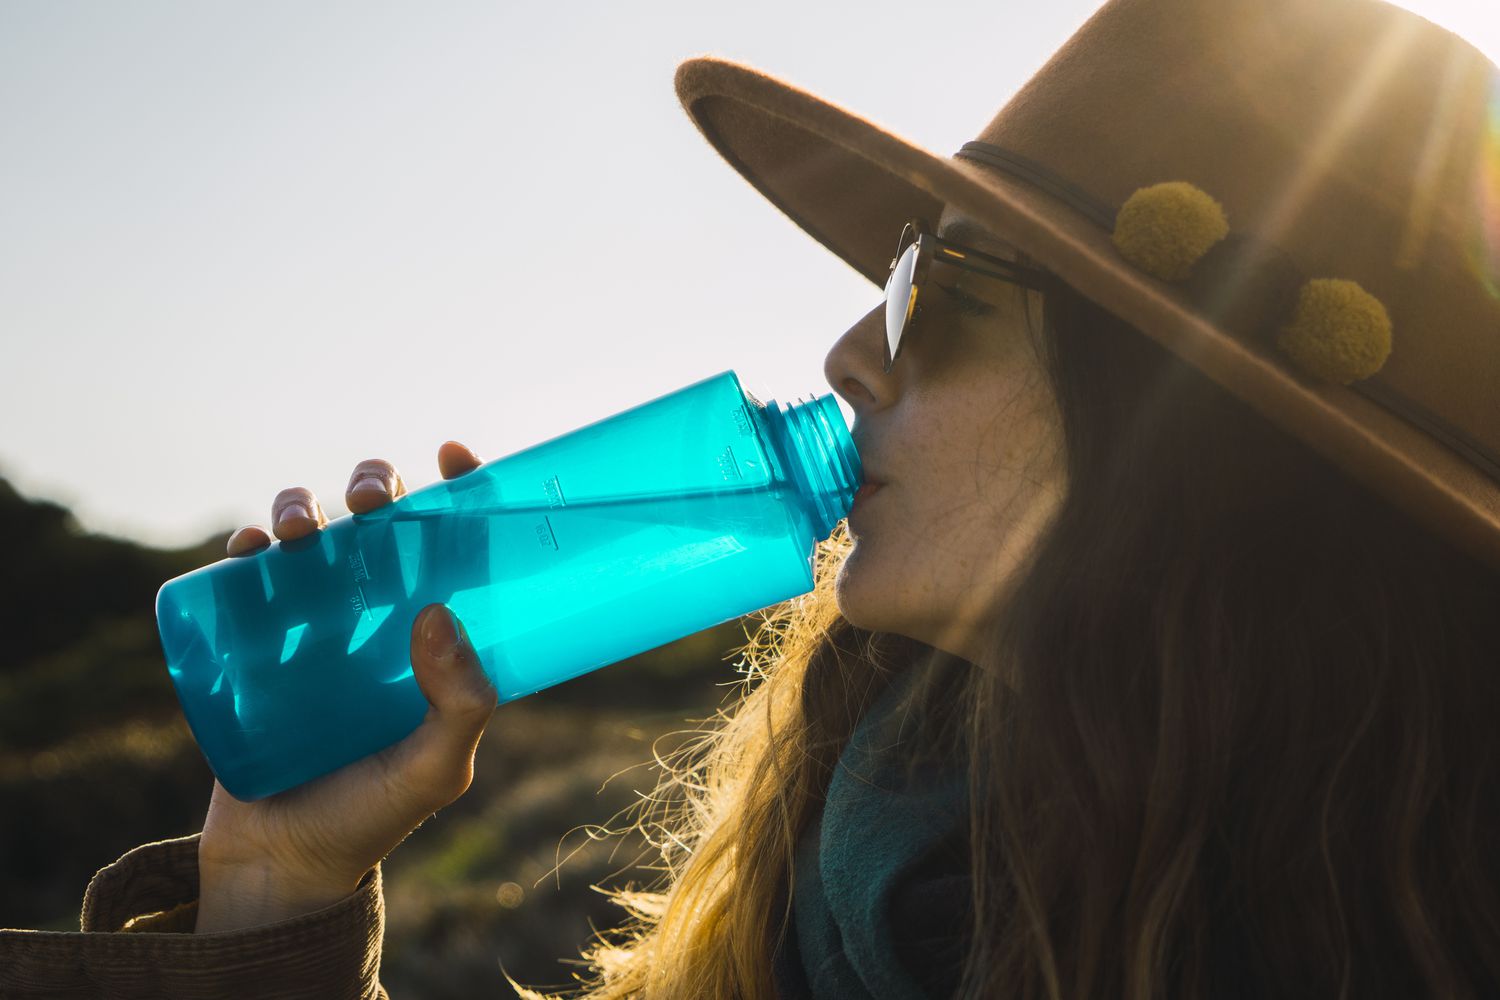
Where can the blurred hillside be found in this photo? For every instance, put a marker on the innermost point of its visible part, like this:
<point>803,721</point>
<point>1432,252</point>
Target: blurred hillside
<point>95,759</point>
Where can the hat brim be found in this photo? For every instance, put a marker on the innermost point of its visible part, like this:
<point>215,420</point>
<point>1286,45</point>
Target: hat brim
<point>851,184</point>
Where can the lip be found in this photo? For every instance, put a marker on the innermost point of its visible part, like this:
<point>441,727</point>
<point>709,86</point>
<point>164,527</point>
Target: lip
<point>867,490</point>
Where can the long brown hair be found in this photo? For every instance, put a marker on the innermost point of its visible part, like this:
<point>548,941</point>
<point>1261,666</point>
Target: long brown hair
<point>1234,731</point>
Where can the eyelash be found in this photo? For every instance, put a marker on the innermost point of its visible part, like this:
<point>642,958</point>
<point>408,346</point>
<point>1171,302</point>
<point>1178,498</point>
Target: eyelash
<point>966,304</point>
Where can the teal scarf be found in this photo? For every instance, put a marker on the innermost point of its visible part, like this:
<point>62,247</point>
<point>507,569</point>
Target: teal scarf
<point>880,894</point>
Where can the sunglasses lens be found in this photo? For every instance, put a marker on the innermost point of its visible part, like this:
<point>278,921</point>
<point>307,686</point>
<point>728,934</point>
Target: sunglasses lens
<point>898,300</point>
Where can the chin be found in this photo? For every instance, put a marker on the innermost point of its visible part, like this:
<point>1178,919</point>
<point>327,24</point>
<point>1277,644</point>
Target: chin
<point>861,599</point>
<point>867,601</point>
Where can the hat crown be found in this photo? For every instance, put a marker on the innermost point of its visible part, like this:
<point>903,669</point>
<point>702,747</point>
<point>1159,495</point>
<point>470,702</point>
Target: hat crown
<point>1357,138</point>
<point>1266,103</point>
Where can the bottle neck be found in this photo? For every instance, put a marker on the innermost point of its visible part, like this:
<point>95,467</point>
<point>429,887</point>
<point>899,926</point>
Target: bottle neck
<point>819,458</point>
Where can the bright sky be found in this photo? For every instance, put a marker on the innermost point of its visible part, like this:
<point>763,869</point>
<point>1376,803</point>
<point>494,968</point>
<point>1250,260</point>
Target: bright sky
<point>245,246</point>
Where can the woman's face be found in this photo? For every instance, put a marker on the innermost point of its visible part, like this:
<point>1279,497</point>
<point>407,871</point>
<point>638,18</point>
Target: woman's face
<point>965,437</point>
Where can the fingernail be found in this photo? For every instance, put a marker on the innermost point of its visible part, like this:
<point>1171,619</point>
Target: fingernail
<point>292,510</point>
<point>438,633</point>
<point>373,483</point>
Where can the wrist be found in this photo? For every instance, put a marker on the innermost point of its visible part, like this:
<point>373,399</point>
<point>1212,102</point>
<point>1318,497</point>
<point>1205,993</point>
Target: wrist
<point>237,897</point>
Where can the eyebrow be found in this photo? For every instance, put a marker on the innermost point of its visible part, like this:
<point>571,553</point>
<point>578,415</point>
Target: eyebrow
<point>972,233</point>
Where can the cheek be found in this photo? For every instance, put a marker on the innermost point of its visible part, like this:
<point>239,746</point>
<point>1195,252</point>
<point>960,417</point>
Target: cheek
<point>1015,432</point>
<point>992,471</point>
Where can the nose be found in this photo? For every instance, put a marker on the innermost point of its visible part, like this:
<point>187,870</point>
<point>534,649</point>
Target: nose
<point>855,365</point>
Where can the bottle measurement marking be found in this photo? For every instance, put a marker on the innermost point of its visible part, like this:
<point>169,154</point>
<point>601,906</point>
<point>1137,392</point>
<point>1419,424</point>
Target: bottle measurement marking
<point>545,536</point>
<point>358,602</point>
<point>729,469</point>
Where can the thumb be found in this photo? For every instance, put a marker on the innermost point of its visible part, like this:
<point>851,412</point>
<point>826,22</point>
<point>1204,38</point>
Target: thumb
<point>460,697</point>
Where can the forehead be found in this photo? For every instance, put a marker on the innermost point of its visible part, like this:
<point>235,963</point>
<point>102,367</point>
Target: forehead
<point>955,226</point>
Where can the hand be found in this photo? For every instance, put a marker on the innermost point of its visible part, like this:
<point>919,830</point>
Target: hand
<point>309,846</point>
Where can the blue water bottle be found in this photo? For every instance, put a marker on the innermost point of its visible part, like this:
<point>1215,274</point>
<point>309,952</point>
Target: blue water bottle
<point>660,521</point>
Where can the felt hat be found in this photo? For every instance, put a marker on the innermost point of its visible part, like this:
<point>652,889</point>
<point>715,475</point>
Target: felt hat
<point>1301,198</point>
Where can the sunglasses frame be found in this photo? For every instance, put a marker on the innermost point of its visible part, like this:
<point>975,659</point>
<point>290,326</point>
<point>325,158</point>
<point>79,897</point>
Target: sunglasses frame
<point>931,247</point>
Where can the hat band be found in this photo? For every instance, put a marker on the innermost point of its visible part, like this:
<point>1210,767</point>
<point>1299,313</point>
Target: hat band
<point>1035,174</point>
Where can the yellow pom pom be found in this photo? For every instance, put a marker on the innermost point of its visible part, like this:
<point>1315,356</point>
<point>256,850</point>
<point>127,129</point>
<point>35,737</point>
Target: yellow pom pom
<point>1166,228</point>
<point>1339,332</point>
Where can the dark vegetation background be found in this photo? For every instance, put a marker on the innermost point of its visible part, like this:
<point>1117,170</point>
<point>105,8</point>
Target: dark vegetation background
<point>95,758</point>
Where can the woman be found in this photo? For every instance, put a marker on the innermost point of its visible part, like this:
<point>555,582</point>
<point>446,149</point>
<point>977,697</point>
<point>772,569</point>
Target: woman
<point>1163,662</point>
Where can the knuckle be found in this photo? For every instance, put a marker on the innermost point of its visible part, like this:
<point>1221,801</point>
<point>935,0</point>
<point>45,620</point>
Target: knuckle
<point>477,707</point>
<point>453,780</point>
<point>425,786</point>
<point>295,497</point>
<point>294,494</point>
<point>460,781</point>
<point>377,468</point>
<point>478,702</point>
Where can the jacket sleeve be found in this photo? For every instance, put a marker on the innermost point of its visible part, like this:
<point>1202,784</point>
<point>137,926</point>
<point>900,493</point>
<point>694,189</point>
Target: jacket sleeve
<point>136,940</point>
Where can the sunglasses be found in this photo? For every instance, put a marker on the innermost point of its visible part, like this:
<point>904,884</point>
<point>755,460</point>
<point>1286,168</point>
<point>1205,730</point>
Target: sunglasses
<point>908,279</point>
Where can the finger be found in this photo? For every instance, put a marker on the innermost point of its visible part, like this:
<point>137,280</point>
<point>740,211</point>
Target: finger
<point>296,512</point>
<point>373,482</point>
<point>455,459</point>
<point>439,761</point>
<point>248,539</point>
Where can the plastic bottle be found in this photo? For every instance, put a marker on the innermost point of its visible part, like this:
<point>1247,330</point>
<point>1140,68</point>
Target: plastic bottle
<point>660,521</point>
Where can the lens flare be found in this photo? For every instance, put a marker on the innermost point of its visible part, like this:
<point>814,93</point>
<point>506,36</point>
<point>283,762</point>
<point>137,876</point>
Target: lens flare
<point>1485,246</point>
